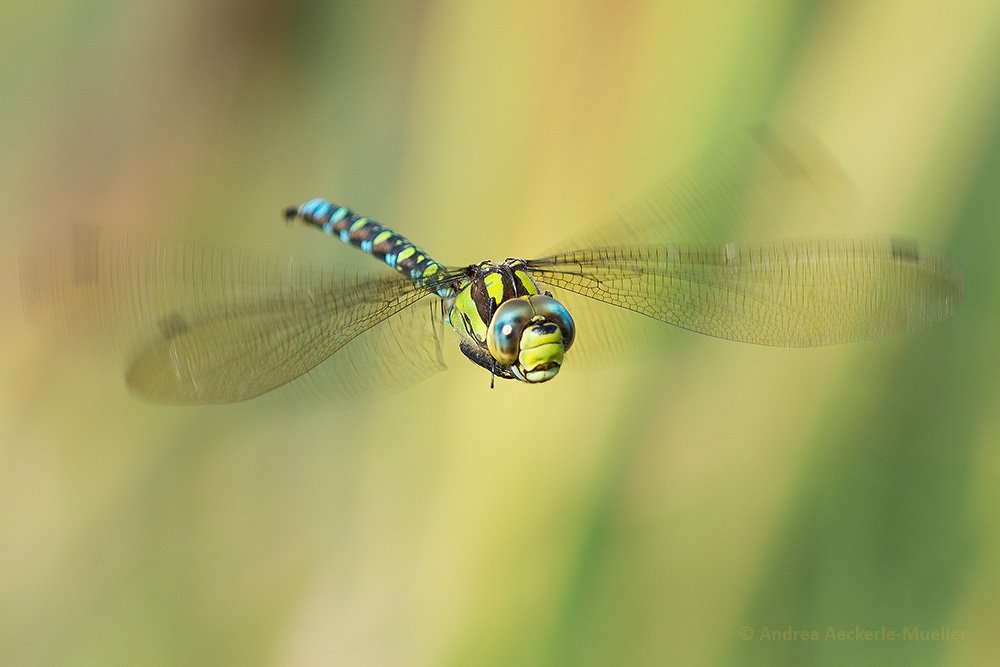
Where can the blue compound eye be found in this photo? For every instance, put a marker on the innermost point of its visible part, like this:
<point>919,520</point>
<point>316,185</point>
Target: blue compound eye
<point>503,338</point>
<point>552,311</point>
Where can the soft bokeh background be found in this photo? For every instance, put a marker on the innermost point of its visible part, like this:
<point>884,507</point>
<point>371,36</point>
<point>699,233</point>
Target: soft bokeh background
<point>657,513</point>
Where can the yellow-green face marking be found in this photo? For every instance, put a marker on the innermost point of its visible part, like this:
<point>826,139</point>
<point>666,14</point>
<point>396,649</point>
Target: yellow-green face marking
<point>531,335</point>
<point>541,354</point>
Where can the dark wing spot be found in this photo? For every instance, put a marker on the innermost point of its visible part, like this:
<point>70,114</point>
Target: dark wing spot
<point>904,250</point>
<point>172,325</point>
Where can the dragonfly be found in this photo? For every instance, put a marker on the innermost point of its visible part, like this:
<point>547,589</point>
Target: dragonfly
<point>202,326</point>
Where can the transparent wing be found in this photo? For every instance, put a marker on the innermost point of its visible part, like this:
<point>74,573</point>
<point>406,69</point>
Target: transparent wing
<point>769,182</point>
<point>204,325</point>
<point>790,294</point>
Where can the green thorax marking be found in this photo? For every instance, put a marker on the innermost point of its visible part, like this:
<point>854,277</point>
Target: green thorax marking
<point>485,286</point>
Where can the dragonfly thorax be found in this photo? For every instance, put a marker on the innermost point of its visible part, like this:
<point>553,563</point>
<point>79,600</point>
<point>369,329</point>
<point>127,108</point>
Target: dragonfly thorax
<point>507,325</point>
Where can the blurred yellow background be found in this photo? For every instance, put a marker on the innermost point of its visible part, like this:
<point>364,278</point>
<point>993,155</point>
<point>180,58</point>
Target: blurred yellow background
<point>676,511</point>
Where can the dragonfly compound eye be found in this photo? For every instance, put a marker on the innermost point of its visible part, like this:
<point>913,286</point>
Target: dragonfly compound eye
<point>530,335</point>
<point>553,311</point>
<point>503,338</point>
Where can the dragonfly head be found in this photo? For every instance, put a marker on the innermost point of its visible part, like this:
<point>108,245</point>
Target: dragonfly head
<point>531,334</point>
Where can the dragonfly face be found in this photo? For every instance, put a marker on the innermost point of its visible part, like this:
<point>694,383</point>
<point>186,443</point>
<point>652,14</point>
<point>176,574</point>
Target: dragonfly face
<point>507,325</point>
<point>531,335</point>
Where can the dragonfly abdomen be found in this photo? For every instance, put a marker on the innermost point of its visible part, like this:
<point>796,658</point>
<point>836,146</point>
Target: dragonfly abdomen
<point>368,236</point>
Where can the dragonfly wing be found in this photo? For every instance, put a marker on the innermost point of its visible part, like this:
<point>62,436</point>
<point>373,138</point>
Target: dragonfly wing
<point>385,359</point>
<point>789,294</point>
<point>244,351</point>
<point>196,324</point>
<point>768,182</point>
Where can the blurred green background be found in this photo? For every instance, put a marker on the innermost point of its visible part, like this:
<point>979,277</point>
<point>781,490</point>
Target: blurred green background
<point>675,511</point>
